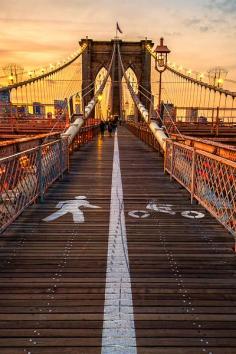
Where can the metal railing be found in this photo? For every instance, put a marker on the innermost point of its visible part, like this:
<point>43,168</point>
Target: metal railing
<point>210,179</point>
<point>26,176</point>
<point>211,146</point>
<point>19,144</point>
<point>143,132</point>
<point>215,116</point>
<point>86,134</point>
<point>30,125</point>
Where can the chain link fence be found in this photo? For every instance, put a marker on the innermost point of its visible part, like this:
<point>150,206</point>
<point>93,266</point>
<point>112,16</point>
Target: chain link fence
<point>210,179</point>
<point>27,175</point>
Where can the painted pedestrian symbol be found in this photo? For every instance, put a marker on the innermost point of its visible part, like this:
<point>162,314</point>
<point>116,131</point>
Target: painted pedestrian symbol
<point>73,207</point>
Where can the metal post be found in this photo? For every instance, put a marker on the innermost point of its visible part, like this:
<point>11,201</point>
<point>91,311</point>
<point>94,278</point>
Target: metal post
<point>61,158</point>
<point>217,120</point>
<point>165,156</point>
<point>160,88</point>
<point>172,161</point>
<point>193,176</point>
<point>212,120</point>
<point>40,174</point>
<point>68,155</point>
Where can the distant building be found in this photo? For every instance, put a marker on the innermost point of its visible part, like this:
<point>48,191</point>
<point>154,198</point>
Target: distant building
<point>59,107</point>
<point>168,113</point>
<point>22,111</point>
<point>5,103</point>
<point>191,115</point>
<point>38,109</point>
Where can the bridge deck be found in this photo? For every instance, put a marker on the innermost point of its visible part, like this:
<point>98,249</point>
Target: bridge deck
<point>53,274</point>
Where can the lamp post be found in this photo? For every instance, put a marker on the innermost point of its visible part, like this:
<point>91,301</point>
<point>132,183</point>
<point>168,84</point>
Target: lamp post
<point>77,104</point>
<point>11,79</point>
<point>162,52</point>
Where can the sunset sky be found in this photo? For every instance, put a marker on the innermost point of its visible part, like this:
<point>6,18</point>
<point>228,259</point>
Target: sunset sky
<point>201,34</point>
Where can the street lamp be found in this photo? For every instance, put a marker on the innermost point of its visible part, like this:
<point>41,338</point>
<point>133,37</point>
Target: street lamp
<point>100,97</point>
<point>162,52</point>
<point>77,103</point>
<point>11,79</point>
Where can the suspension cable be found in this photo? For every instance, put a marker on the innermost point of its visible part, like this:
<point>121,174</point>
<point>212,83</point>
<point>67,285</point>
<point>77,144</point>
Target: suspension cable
<point>78,123</point>
<point>45,75</point>
<point>159,116</point>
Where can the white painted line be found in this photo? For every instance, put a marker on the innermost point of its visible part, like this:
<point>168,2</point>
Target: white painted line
<point>118,324</point>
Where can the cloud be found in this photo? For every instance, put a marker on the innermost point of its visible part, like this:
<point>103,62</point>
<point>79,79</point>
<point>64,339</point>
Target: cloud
<point>31,46</point>
<point>34,33</point>
<point>173,34</point>
<point>220,16</point>
<point>12,20</point>
<point>200,24</point>
<point>192,21</point>
<point>204,28</point>
<point>228,6</point>
<point>231,67</point>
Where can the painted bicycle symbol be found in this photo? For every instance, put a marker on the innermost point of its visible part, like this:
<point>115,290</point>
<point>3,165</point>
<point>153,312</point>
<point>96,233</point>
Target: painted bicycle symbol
<point>166,209</point>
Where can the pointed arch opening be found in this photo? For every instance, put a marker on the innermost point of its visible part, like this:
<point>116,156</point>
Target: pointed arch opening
<point>103,107</point>
<point>128,105</point>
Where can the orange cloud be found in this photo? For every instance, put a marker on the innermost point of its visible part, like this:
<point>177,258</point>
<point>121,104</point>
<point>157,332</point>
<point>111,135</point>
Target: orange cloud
<point>37,33</point>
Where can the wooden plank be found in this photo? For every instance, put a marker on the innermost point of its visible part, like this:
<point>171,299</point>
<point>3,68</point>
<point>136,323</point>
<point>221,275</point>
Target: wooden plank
<point>182,270</point>
<point>32,255</point>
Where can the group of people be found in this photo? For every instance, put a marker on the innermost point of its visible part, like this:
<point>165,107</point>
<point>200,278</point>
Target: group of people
<point>109,125</point>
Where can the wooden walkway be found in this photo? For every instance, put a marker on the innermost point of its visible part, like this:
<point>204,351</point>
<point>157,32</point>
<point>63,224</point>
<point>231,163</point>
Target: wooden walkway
<point>53,274</point>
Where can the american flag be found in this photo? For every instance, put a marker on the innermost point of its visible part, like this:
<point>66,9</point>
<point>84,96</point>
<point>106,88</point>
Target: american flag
<point>118,27</point>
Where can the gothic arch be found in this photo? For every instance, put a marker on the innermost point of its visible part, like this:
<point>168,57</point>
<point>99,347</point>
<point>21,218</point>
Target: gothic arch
<point>134,55</point>
<point>127,102</point>
<point>102,110</point>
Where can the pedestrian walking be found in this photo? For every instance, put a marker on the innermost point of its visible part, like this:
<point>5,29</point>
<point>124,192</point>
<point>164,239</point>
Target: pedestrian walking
<point>102,126</point>
<point>110,128</point>
<point>114,126</point>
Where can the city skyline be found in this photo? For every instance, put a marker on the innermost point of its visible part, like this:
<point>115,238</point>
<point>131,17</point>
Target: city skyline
<point>201,36</point>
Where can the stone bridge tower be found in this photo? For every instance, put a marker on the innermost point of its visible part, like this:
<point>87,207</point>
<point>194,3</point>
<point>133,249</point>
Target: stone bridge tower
<point>134,55</point>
